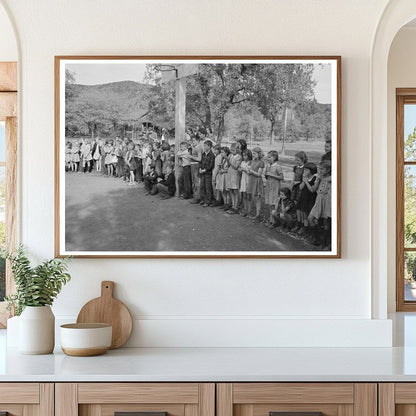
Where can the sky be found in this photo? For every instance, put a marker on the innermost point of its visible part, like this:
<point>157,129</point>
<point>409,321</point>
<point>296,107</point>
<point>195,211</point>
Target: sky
<point>104,73</point>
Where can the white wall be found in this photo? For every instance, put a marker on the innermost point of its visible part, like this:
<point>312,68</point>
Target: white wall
<point>202,302</point>
<point>8,47</point>
<point>401,74</point>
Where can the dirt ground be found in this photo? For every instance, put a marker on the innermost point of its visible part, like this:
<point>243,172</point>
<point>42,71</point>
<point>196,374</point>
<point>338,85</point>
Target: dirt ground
<point>105,214</point>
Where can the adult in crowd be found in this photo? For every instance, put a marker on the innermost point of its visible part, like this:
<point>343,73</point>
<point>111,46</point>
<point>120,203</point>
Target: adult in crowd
<point>196,157</point>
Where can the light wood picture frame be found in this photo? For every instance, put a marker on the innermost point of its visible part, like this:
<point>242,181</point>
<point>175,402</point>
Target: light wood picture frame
<point>198,156</point>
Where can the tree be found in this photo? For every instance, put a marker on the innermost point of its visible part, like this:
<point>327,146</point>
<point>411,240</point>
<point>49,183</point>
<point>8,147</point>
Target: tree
<point>314,118</point>
<point>70,77</point>
<point>410,191</point>
<point>280,87</point>
<point>229,86</point>
<point>210,95</point>
<point>410,205</point>
<point>160,98</point>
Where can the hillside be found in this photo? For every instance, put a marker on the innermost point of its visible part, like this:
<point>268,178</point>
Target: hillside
<point>106,108</point>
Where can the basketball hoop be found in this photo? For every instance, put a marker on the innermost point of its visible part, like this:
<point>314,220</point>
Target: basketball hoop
<point>166,68</point>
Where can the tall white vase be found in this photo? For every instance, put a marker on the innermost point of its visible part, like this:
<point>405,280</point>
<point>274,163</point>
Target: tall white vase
<point>37,330</point>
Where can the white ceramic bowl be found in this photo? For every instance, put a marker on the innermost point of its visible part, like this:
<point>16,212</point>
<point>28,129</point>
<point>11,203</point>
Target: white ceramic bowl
<point>83,340</point>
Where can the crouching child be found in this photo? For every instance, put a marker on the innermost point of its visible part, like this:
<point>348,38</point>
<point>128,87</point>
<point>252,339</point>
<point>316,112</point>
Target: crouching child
<point>284,215</point>
<point>167,186</point>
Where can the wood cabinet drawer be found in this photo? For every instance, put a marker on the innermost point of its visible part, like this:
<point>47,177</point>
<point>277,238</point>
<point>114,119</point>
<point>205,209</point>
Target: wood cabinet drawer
<point>105,399</point>
<point>24,399</point>
<point>263,399</point>
<point>397,399</point>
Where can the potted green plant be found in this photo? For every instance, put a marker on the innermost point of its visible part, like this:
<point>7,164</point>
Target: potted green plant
<point>36,289</point>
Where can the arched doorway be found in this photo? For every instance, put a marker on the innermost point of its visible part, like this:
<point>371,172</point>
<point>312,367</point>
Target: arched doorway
<point>8,150</point>
<point>396,15</point>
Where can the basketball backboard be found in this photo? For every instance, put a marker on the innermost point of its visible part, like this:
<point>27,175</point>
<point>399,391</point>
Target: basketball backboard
<point>182,70</point>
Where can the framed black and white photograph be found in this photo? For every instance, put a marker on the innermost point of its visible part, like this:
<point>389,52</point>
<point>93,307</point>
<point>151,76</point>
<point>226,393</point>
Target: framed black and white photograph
<point>198,156</point>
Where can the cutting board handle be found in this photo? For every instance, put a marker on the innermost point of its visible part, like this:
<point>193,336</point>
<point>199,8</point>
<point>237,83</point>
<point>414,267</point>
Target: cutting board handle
<point>107,289</point>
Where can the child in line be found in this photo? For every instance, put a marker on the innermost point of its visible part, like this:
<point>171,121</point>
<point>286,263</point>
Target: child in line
<point>185,176</point>
<point>217,164</point>
<point>68,156</point>
<point>130,162</point>
<point>274,176</point>
<point>150,181</point>
<point>86,152</point>
<point>307,195</point>
<point>96,154</point>
<point>165,156</point>
<point>75,156</point>
<point>220,184</point>
<point>138,161</point>
<point>243,169</point>
<point>108,150</point>
<point>300,160</point>
<point>285,212</point>
<point>321,211</point>
<point>255,187</point>
<point>167,186</point>
<point>157,160</point>
<point>232,179</point>
<point>205,171</point>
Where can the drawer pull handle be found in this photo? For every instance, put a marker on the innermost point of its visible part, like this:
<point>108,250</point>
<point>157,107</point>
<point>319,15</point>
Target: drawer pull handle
<point>295,414</point>
<point>140,414</point>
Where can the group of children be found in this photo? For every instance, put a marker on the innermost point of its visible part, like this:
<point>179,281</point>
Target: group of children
<point>246,182</point>
<point>234,179</point>
<point>120,158</point>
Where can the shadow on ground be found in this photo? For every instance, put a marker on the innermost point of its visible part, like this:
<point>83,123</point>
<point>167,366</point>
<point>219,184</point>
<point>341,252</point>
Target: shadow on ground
<point>104,214</point>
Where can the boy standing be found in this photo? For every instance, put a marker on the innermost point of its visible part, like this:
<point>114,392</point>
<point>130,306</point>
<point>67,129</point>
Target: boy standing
<point>207,165</point>
<point>185,179</point>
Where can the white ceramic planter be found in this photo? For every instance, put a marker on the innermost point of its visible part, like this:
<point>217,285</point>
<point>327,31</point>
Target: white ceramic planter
<point>37,330</point>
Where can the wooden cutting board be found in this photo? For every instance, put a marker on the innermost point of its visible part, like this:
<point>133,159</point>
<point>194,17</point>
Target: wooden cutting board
<point>107,309</point>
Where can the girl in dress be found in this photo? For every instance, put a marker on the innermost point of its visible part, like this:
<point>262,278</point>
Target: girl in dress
<point>138,160</point>
<point>130,162</point>
<point>96,154</point>
<point>118,158</point>
<point>86,152</point>
<point>255,188</point>
<point>108,161</point>
<point>307,195</point>
<point>320,215</point>
<point>165,156</point>
<point>300,158</point>
<point>218,158</point>
<point>75,156</point>
<point>243,169</point>
<point>222,173</point>
<point>157,160</point>
<point>274,176</point>
<point>68,156</point>
<point>232,179</point>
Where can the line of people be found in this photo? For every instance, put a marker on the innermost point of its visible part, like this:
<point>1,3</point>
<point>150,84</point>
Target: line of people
<point>245,182</point>
<point>234,179</point>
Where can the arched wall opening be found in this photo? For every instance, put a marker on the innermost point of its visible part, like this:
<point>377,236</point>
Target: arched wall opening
<point>8,44</point>
<point>396,15</point>
<point>401,74</point>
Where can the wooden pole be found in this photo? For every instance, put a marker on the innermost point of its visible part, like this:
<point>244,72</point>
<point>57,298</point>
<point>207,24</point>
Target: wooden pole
<point>180,113</point>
